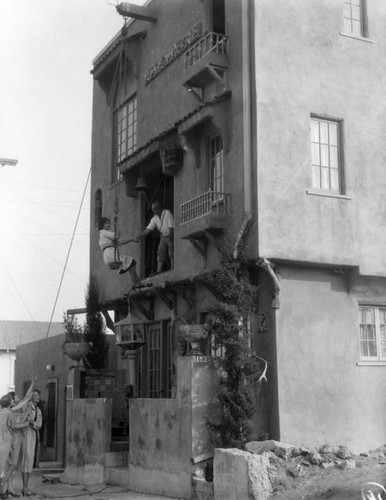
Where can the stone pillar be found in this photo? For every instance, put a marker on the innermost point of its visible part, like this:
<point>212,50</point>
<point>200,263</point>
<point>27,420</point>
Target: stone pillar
<point>240,474</point>
<point>132,368</point>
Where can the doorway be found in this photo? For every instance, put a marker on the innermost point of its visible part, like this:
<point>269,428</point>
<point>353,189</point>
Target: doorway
<point>51,420</point>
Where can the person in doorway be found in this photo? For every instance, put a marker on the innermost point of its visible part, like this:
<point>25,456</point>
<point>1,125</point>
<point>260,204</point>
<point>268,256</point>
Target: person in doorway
<point>107,243</point>
<point>30,453</point>
<point>162,221</point>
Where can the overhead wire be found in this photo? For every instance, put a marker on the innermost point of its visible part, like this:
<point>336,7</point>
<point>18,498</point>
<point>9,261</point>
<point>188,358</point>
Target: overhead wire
<point>41,186</point>
<point>41,206</point>
<point>17,291</point>
<point>24,217</point>
<point>68,254</point>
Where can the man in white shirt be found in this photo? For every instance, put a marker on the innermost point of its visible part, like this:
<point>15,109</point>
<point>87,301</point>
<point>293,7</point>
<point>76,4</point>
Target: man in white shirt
<point>163,222</point>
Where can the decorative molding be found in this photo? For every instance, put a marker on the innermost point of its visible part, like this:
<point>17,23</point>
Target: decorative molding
<point>178,48</point>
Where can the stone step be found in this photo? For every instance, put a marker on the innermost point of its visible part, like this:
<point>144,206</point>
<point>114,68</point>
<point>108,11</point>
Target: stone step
<point>117,475</point>
<point>202,490</point>
<point>116,459</point>
<point>120,446</point>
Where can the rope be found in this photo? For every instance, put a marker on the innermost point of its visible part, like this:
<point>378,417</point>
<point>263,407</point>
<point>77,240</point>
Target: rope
<point>68,255</point>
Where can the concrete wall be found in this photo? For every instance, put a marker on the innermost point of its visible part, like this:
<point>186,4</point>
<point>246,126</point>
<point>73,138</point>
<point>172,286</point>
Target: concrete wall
<point>324,396</point>
<point>303,66</point>
<point>7,371</point>
<point>165,435</point>
<point>31,361</point>
<point>88,438</point>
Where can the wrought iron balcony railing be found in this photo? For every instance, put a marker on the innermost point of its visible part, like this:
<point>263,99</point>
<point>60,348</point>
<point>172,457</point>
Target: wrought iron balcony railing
<point>207,203</point>
<point>211,42</point>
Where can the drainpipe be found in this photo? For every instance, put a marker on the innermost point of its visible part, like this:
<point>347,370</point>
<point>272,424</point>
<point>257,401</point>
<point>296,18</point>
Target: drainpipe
<point>247,105</point>
<point>247,126</point>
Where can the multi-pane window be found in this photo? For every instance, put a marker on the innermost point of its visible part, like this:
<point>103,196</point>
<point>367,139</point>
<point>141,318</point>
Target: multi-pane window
<point>126,129</point>
<point>372,324</point>
<point>326,154</point>
<point>216,164</point>
<point>155,362</point>
<point>354,17</point>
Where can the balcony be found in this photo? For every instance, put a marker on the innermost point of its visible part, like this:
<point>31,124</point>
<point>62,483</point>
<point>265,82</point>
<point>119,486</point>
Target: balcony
<point>206,60</point>
<point>204,215</point>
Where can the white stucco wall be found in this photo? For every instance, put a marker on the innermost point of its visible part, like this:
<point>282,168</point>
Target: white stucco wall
<point>305,65</point>
<point>324,396</point>
<point>7,371</point>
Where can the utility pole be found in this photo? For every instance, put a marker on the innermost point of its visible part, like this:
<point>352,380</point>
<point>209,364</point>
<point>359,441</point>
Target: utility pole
<point>7,161</point>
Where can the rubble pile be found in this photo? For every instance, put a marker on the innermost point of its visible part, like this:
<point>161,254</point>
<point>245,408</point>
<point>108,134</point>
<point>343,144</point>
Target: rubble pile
<point>288,461</point>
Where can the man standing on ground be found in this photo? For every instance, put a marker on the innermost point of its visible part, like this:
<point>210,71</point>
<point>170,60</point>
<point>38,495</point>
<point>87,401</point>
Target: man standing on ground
<point>162,221</point>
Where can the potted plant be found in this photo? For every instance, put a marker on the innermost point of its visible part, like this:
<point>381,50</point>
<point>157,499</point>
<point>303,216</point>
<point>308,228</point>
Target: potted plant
<point>75,345</point>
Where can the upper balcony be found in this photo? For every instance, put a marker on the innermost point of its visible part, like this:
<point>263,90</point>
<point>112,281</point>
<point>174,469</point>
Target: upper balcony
<point>206,60</point>
<point>207,213</point>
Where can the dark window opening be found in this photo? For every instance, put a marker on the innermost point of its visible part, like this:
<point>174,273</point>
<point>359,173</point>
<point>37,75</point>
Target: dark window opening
<point>218,15</point>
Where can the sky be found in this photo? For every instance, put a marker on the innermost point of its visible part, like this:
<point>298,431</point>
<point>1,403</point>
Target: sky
<point>46,53</point>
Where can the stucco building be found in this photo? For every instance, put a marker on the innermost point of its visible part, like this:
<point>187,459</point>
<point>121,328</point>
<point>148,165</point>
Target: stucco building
<point>267,116</point>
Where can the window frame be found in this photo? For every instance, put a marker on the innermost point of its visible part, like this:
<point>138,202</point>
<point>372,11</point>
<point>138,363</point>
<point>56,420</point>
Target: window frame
<point>378,359</point>
<point>340,155</point>
<point>363,20</point>
<point>215,177</point>
<point>121,136</point>
<point>155,381</point>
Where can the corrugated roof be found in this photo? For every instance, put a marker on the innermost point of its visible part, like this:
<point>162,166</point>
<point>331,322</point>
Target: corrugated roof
<point>14,333</point>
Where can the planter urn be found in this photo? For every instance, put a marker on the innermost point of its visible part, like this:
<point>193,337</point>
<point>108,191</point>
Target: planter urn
<point>77,351</point>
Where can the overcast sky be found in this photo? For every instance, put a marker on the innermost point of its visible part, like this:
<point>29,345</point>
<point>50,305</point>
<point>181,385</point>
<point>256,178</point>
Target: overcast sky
<point>46,53</point>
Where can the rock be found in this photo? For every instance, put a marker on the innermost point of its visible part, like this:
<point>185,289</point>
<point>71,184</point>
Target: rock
<point>295,471</point>
<point>364,454</point>
<point>280,449</point>
<point>314,457</point>
<point>343,452</point>
<point>327,448</point>
<point>348,464</point>
<point>327,465</point>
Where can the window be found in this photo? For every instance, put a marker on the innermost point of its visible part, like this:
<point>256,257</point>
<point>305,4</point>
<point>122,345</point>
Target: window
<point>155,362</point>
<point>218,9</point>
<point>372,324</point>
<point>354,17</point>
<point>326,154</point>
<point>126,129</point>
<point>216,164</point>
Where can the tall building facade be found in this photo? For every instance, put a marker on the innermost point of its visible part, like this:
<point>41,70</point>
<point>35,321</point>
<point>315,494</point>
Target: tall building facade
<point>268,116</point>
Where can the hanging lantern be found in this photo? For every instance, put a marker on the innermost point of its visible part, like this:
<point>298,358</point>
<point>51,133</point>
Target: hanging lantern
<point>130,333</point>
<point>171,160</point>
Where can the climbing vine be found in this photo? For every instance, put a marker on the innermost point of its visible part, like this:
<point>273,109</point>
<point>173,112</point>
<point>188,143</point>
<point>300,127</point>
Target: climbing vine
<point>239,367</point>
<point>94,328</point>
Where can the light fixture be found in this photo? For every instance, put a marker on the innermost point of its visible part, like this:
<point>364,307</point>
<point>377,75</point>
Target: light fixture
<point>141,184</point>
<point>130,332</point>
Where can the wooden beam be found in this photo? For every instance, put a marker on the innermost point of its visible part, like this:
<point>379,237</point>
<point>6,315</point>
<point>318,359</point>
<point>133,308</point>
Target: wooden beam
<point>213,240</point>
<point>168,301</point>
<point>148,313</point>
<point>200,247</point>
<point>126,9</point>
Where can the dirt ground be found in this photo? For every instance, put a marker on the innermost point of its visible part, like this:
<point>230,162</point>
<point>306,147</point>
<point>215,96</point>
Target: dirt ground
<point>297,479</point>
